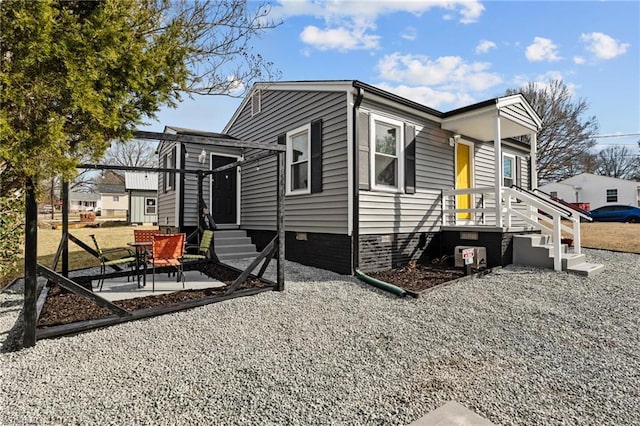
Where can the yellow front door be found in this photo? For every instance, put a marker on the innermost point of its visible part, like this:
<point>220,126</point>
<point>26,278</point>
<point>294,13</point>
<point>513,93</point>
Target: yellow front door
<point>463,179</point>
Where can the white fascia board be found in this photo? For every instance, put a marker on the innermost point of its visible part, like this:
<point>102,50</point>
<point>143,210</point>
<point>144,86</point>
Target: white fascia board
<point>519,99</point>
<point>170,130</point>
<point>307,86</point>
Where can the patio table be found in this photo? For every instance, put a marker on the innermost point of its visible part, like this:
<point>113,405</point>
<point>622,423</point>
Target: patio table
<point>141,251</point>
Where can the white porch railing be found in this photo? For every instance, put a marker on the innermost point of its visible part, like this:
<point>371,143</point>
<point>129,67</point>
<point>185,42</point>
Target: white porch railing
<point>517,205</point>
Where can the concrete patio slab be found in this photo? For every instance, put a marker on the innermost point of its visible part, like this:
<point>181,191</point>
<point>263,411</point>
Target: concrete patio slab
<point>119,288</point>
<point>452,414</point>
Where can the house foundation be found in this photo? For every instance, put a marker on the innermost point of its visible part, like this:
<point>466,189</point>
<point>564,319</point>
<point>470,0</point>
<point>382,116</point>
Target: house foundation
<point>497,241</point>
<point>385,251</point>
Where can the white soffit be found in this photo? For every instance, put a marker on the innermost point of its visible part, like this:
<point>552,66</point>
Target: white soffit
<point>480,123</point>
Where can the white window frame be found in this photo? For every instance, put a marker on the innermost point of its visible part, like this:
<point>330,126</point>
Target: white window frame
<point>614,193</point>
<point>514,171</point>
<point>399,152</point>
<point>146,206</point>
<point>238,180</point>
<point>171,164</point>
<point>289,156</point>
<point>115,198</point>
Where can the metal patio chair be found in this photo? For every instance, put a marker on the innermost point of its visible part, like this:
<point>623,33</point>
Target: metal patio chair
<point>144,235</point>
<point>168,250</point>
<point>103,254</point>
<point>203,248</point>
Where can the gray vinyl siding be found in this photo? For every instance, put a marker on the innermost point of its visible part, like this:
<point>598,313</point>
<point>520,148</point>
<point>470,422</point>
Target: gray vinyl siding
<point>190,206</point>
<point>384,212</point>
<point>484,172</point>
<point>137,207</point>
<point>166,200</point>
<point>518,113</point>
<point>523,175</point>
<point>283,111</point>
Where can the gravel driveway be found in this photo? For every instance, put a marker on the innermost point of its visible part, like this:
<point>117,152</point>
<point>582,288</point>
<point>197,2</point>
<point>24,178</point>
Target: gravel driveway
<point>519,346</point>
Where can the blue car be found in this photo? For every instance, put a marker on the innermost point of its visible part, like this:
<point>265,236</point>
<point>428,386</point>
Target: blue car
<point>616,213</point>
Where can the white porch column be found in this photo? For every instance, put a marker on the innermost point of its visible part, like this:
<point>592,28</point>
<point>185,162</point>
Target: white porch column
<point>497,148</point>
<point>534,160</point>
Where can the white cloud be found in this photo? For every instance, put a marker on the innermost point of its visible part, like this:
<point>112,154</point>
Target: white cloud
<point>448,80</point>
<point>451,72</point>
<point>542,49</point>
<point>579,60</point>
<point>484,46</point>
<point>237,86</point>
<point>543,81</point>
<point>342,39</point>
<point>350,24</point>
<point>469,10</point>
<point>428,96</point>
<point>604,46</point>
<point>410,33</point>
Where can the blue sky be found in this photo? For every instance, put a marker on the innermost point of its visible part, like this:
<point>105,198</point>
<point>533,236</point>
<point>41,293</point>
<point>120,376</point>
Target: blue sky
<point>447,54</point>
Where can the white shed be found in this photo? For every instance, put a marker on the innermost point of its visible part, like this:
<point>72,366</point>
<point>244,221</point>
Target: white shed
<point>596,190</point>
<point>143,197</point>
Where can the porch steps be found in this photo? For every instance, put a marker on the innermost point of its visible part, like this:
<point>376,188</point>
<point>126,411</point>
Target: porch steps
<point>233,244</point>
<point>536,250</point>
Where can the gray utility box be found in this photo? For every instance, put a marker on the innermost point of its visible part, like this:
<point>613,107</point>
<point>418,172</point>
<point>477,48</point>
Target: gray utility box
<point>479,257</point>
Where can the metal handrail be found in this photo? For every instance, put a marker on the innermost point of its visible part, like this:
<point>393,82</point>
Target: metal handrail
<point>581,212</point>
<point>544,200</point>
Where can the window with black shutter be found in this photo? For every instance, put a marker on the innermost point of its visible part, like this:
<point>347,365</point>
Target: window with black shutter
<point>303,158</point>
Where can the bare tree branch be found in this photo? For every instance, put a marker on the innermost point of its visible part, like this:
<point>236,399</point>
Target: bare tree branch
<point>564,141</point>
<point>618,162</point>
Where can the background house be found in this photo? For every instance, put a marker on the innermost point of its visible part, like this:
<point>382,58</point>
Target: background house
<point>142,189</point>
<point>114,199</point>
<point>596,190</point>
<point>83,201</point>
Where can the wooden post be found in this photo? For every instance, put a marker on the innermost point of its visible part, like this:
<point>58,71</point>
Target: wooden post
<point>280,221</point>
<point>534,161</point>
<point>497,149</point>
<point>65,229</point>
<point>30,261</point>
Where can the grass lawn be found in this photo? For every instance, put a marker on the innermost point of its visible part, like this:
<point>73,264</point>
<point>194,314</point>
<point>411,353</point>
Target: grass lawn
<point>48,240</point>
<point>610,236</point>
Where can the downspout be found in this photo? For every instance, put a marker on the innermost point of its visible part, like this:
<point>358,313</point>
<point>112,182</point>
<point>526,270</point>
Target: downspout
<point>355,237</point>
<point>380,284</point>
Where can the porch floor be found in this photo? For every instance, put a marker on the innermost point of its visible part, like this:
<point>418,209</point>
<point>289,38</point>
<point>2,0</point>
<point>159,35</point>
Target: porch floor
<point>119,288</point>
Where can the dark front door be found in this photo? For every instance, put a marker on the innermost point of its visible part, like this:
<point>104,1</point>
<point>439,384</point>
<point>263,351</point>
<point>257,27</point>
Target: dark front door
<point>223,194</point>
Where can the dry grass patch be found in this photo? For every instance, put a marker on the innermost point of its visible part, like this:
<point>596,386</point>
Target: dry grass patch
<point>611,236</point>
<point>48,240</point>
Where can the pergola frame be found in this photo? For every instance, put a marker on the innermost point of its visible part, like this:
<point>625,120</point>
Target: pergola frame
<point>32,269</point>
